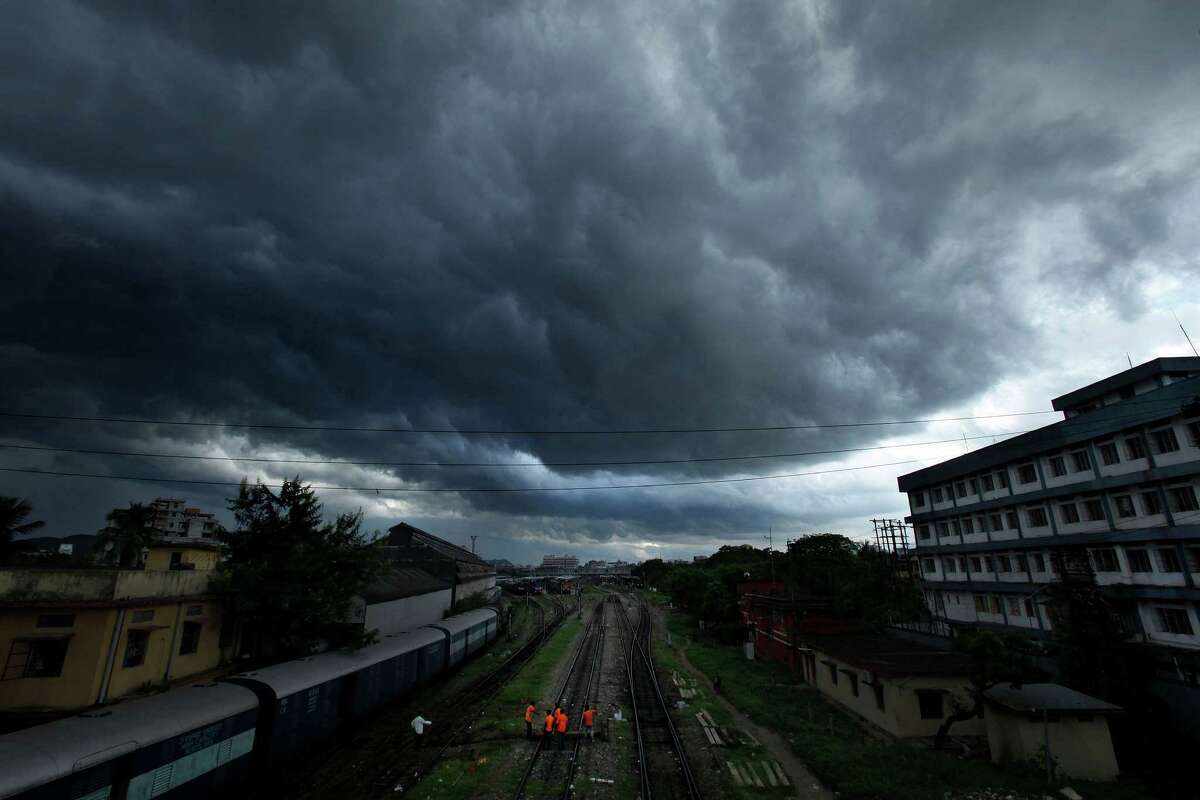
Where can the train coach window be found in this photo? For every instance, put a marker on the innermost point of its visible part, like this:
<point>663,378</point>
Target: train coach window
<point>35,658</point>
<point>135,648</point>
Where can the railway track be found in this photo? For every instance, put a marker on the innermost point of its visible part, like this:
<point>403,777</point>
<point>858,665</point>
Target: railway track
<point>557,767</point>
<point>664,771</point>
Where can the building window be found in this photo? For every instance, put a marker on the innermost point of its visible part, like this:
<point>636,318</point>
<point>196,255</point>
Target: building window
<point>949,565</point>
<point>1014,606</point>
<point>189,642</point>
<point>143,616</point>
<point>55,620</point>
<point>135,648</point>
<point>1139,560</point>
<point>918,499</point>
<point>968,525</point>
<point>1164,440</point>
<point>1002,479</point>
<point>176,559</point>
<point>1029,612</point>
<point>1002,564</point>
<point>1108,453</point>
<point>1081,461</point>
<point>1151,503</point>
<point>195,611</point>
<point>974,484</point>
<point>878,687</point>
<point>1193,429</point>
<point>35,658</point>
<point>956,526</point>
<point>1168,560</point>
<point>1183,498</point>
<point>927,566</point>
<point>1037,517</point>
<point>1058,466</point>
<point>1039,562</point>
<point>1124,506</point>
<point>1134,448</point>
<point>930,701</point>
<point>1026,473</point>
<point>1020,563</point>
<point>1105,560</point>
<point>989,485</point>
<point>981,604</point>
<point>1070,513</point>
<point>1174,620</point>
<point>1193,557</point>
<point>853,682</point>
<point>1093,508</point>
<point>922,532</point>
<point>987,564</point>
<point>997,522</point>
<point>1011,518</point>
<point>976,566</point>
<point>937,494</point>
<point>832,672</point>
<point>994,599</point>
<point>960,489</point>
<point>943,529</point>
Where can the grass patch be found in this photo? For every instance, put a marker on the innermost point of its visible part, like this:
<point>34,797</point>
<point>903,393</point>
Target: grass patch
<point>840,753</point>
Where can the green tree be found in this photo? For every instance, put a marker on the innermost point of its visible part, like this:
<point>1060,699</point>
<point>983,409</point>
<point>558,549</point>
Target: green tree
<point>128,532</point>
<point>652,571</point>
<point>13,513</point>
<point>995,659</point>
<point>289,577</point>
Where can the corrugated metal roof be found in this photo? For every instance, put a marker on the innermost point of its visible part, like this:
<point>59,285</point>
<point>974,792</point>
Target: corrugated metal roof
<point>891,657</point>
<point>402,582</point>
<point>1031,697</point>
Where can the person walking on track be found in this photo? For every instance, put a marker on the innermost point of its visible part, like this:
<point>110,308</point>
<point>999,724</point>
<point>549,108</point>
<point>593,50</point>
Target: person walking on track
<point>529,712</point>
<point>549,723</point>
<point>419,724</point>
<point>561,726</point>
<point>589,719</point>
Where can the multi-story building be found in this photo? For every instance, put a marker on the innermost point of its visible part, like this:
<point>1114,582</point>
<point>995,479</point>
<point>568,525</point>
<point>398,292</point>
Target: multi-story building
<point>173,518</point>
<point>559,562</point>
<point>1111,491</point>
<point>71,638</point>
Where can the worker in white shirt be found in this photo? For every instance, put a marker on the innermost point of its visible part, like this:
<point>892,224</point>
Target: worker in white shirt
<point>418,726</point>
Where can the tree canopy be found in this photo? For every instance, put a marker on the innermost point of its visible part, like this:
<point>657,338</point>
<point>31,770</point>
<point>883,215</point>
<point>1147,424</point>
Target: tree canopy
<point>128,532</point>
<point>13,513</point>
<point>289,576</point>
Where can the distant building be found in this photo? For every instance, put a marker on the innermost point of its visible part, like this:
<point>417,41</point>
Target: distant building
<point>464,572</point>
<point>66,549</point>
<point>699,559</point>
<point>1108,496</point>
<point>173,518</point>
<point>71,638</point>
<point>560,562</point>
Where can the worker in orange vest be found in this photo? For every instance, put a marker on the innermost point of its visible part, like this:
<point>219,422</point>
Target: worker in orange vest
<point>529,712</point>
<point>561,726</point>
<point>549,722</point>
<point>589,718</point>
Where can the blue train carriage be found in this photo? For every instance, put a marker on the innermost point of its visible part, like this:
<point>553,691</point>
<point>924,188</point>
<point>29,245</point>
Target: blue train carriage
<point>192,742</point>
<point>468,633</point>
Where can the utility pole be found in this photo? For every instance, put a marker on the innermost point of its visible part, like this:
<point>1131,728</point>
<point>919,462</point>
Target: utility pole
<point>473,538</point>
<point>770,539</point>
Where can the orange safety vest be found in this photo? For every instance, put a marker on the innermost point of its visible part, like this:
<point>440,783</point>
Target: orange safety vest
<point>529,713</point>
<point>549,723</point>
<point>562,723</point>
<point>588,716</point>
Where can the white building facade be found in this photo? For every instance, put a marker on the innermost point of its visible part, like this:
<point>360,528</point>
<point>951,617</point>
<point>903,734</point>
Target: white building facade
<point>1118,479</point>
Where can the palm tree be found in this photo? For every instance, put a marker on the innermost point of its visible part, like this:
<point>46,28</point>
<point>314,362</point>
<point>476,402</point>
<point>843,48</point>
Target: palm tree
<point>128,532</point>
<point>13,512</point>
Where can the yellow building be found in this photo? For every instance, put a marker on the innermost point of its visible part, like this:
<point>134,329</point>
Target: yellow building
<point>902,688</point>
<point>71,638</point>
<point>1024,723</point>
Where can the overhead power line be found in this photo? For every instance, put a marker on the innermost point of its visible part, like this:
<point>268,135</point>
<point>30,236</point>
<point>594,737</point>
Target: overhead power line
<point>499,432</point>
<point>343,462</point>
<point>464,489</point>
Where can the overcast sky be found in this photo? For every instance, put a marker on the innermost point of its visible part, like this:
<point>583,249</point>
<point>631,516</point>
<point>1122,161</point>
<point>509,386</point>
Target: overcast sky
<point>579,216</point>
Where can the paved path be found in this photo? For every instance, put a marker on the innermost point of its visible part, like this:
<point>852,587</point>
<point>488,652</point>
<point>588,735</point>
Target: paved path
<point>807,786</point>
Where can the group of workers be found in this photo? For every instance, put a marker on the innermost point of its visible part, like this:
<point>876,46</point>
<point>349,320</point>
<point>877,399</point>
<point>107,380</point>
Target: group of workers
<point>556,723</point>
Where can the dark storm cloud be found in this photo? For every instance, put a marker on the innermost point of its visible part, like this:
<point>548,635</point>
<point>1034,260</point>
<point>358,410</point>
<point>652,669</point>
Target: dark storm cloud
<point>551,216</point>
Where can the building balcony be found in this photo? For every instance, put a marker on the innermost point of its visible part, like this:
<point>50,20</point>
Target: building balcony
<point>98,586</point>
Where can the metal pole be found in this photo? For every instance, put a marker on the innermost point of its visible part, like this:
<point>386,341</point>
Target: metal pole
<point>1046,746</point>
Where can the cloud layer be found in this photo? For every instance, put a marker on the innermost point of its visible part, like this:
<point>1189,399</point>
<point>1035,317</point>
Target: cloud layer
<point>562,216</point>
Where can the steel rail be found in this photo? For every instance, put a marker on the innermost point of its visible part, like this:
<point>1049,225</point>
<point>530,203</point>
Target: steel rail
<point>589,698</point>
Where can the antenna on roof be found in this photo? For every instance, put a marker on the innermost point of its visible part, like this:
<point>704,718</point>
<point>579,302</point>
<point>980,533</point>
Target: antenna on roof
<point>1185,333</point>
<point>1130,360</point>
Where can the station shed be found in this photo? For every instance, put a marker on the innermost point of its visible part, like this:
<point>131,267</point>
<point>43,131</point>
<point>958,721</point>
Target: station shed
<point>1026,721</point>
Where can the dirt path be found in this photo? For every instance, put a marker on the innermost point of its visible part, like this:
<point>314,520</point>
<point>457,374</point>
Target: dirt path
<point>806,785</point>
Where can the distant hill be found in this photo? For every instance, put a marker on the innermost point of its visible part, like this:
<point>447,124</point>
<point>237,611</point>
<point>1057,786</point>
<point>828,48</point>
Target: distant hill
<point>83,543</point>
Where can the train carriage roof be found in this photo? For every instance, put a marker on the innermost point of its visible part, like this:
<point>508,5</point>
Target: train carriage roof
<point>45,753</point>
<point>460,622</point>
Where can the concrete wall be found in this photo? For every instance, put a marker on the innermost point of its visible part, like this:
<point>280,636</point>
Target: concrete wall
<point>406,613</point>
<point>468,588</point>
<point>1079,744</point>
<point>204,558</point>
<point>901,712</point>
<point>90,585</point>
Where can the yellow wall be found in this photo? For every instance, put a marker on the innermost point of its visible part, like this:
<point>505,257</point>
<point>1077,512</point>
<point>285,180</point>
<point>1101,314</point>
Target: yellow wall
<point>901,714</point>
<point>160,557</point>
<point>88,651</point>
<point>1081,748</point>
